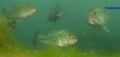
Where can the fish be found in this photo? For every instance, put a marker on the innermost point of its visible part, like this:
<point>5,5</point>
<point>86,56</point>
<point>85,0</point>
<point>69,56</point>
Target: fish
<point>18,12</point>
<point>57,38</point>
<point>55,14</point>
<point>22,10</point>
<point>98,19</point>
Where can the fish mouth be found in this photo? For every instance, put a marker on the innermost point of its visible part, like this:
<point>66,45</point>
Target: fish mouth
<point>67,43</point>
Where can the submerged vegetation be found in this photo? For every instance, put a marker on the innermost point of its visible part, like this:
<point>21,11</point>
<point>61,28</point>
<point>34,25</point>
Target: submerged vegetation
<point>9,49</point>
<point>6,37</point>
<point>55,52</point>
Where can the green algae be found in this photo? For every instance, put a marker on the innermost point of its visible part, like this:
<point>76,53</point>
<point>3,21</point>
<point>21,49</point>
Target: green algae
<point>6,37</point>
<point>55,52</point>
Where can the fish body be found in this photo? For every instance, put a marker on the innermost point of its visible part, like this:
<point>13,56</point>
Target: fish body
<point>55,14</point>
<point>59,38</point>
<point>22,10</point>
<point>17,12</point>
<point>98,19</point>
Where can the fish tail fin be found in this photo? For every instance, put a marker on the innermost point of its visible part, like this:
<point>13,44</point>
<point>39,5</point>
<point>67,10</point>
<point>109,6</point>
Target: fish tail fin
<point>3,11</point>
<point>39,39</point>
<point>105,29</point>
<point>36,39</point>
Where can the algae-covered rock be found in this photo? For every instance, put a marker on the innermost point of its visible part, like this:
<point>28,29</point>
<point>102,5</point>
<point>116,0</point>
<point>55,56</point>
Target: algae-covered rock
<point>6,37</point>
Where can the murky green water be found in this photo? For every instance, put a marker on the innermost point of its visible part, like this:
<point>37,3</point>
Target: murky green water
<point>92,42</point>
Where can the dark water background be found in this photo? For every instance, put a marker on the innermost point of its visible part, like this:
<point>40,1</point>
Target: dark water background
<point>74,18</point>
